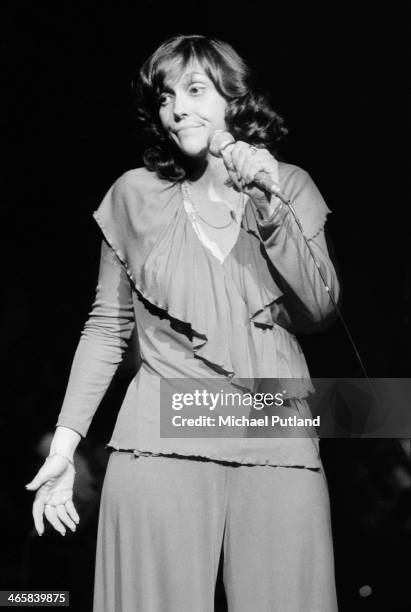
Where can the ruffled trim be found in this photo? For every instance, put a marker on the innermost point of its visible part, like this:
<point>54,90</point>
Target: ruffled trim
<point>210,297</point>
<point>227,307</point>
<point>308,203</point>
<point>321,227</point>
<point>311,463</point>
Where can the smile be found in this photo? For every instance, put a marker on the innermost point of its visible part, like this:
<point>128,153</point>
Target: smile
<point>187,127</point>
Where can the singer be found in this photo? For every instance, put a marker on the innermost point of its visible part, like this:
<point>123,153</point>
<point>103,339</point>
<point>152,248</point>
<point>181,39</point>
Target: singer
<point>202,255</point>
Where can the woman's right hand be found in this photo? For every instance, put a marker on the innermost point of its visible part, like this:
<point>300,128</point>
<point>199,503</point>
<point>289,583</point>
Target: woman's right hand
<point>54,497</point>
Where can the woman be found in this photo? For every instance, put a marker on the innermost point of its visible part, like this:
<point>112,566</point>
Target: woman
<point>216,275</point>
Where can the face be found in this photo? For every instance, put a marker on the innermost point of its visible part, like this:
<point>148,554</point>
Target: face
<point>191,109</point>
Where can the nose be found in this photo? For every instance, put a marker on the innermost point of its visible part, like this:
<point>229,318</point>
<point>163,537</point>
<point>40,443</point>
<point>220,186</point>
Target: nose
<point>180,107</point>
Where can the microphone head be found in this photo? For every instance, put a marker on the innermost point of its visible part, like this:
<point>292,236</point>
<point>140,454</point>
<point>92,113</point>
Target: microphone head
<point>219,140</point>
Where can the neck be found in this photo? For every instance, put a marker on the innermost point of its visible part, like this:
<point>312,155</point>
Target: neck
<point>209,179</point>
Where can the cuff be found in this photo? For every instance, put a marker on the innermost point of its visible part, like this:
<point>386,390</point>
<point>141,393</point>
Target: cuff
<point>76,425</point>
<point>269,225</point>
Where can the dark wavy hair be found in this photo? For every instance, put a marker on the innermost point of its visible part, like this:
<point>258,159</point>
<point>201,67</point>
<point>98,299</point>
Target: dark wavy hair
<point>249,116</point>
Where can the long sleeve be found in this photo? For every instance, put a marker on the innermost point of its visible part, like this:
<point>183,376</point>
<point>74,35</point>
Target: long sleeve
<point>305,296</point>
<point>103,342</point>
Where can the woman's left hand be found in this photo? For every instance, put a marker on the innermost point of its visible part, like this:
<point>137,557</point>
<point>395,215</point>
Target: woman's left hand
<point>243,161</point>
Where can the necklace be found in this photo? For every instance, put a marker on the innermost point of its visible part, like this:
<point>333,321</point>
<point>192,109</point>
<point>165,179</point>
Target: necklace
<point>194,212</point>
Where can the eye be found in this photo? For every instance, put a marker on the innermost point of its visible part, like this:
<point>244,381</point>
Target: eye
<point>196,89</point>
<point>164,99</point>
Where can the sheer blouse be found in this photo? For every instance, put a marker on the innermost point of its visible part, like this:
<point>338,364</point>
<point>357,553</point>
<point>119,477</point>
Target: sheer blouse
<point>231,321</point>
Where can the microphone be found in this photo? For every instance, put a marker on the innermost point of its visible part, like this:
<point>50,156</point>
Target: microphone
<point>222,140</point>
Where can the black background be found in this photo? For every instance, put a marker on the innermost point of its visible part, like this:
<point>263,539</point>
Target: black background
<point>336,74</point>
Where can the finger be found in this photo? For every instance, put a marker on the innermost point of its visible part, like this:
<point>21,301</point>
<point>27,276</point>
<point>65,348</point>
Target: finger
<point>258,159</point>
<point>245,162</point>
<point>228,162</point>
<point>263,161</point>
<point>72,511</point>
<point>37,511</point>
<point>51,516</point>
<point>269,164</point>
<point>239,156</point>
<point>40,478</point>
<point>236,183</point>
<point>49,470</point>
<point>250,171</point>
<point>226,155</point>
<point>250,161</point>
<point>64,517</point>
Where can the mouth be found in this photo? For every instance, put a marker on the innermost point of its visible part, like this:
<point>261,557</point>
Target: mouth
<point>186,127</point>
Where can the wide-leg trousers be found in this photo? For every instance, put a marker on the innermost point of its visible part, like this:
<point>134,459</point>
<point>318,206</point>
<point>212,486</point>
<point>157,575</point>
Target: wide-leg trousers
<point>164,520</point>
